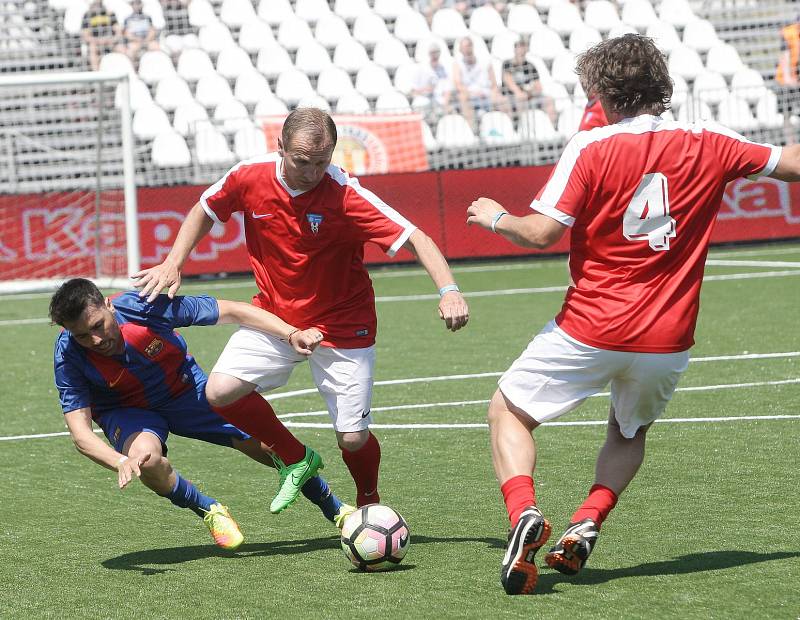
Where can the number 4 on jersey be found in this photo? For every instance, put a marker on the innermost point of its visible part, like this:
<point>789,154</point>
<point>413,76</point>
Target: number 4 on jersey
<point>647,215</point>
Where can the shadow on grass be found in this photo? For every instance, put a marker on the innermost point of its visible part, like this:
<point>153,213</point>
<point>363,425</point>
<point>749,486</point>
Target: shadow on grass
<point>147,562</point>
<point>690,563</point>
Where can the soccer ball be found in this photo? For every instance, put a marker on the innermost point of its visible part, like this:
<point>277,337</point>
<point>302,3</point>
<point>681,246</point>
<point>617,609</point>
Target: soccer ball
<point>375,538</point>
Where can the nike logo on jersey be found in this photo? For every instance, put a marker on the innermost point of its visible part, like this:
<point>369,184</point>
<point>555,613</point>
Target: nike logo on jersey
<point>261,216</point>
<point>117,380</point>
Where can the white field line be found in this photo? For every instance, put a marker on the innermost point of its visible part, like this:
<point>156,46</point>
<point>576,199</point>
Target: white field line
<point>753,252</point>
<point>716,262</point>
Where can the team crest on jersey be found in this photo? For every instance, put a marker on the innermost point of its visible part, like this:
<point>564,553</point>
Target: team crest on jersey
<point>315,220</point>
<point>154,348</point>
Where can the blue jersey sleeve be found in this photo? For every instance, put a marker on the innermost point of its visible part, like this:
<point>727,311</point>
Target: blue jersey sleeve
<point>73,388</point>
<point>165,313</point>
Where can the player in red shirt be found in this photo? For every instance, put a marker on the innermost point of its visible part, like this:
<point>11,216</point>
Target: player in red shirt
<point>640,197</point>
<point>306,223</point>
<point>593,115</point>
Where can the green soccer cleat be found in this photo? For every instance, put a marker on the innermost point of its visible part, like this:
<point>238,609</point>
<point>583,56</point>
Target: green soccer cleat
<point>293,477</point>
<point>223,528</point>
<point>345,510</point>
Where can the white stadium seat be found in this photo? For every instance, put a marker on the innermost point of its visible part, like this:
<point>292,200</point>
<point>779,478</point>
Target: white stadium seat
<point>273,60</point>
<point>149,121</point>
<point>700,35</point>
<point>232,62</point>
<point>620,30</point>
<point>372,80</point>
<point>350,55</point>
<point>680,91</point>
<point>411,27</point>
<point>369,28</point>
<point>735,113</point>
<point>404,77</point>
<point>312,58</point>
<point>254,35</point>
<point>695,111</point>
<point>392,101</point>
<point>564,17</point>
<point>391,9</point>
<point>270,106</point>
<point>427,137</point>
<point>536,125</point>
<point>236,13</point>
<point>351,9</point>
<point>201,13</point>
<point>194,63</point>
<point>503,43</point>
<point>169,150</point>
<point>311,10</point>
<point>639,14</point>
<point>173,92</point>
<point>602,15</point>
<point>251,87</point>
<point>664,35</point>
<point>767,110</point>
<point>676,12</point>
<point>748,84</point>
<point>232,114</point>
<point>497,129</point>
<point>292,86</point>
<point>331,30</point>
<point>116,62</point>
<point>486,22</point>
<point>563,69</point>
<point>293,33</point>
<point>390,53</point>
<point>352,102</point>
<point>448,24</point>
<point>187,116</point>
<point>710,87</point>
<point>568,122</point>
<point>523,19</point>
<point>154,66</point>
<point>333,82</point>
<point>582,38</point>
<point>139,94</point>
<point>215,37</point>
<point>249,142</point>
<point>545,43</point>
<point>314,101</point>
<point>684,61</point>
<point>422,48</point>
<point>274,12</point>
<point>211,147</point>
<point>453,131</point>
<point>724,59</point>
<point>211,89</point>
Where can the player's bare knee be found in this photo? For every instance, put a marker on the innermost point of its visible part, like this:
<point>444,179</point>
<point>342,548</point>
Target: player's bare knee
<point>223,390</point>
<point>351,442</point>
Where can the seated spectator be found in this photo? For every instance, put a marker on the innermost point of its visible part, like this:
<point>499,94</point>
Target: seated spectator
<point>475,83</point>
<point>433,85</point>
<point>521,83</point>
<point>101,33</point>
<point>140,34</point>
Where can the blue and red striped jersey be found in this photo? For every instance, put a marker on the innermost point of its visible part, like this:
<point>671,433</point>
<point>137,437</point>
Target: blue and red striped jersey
<point>155,366</point>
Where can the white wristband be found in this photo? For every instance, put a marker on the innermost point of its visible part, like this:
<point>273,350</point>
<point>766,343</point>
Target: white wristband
<point>448,288</point>
<point>121,460</point>
<point>496,219</point>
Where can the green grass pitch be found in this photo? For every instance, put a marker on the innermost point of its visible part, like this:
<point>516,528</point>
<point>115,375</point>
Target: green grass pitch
<point>707,530</point>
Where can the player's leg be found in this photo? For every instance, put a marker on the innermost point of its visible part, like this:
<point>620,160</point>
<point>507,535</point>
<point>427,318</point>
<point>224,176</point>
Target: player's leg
<point>344,379</point>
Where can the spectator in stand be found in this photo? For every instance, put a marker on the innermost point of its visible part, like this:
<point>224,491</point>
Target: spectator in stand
<point>101,33</point>
<point>475,83</point>
<point>521,83</point>
<point>433,85</point>
<point>177,28</point>
<point>140,34</point>
<point>786,77</point>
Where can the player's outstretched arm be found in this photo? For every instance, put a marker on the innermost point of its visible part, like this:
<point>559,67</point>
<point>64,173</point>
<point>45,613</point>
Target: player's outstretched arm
<point>304,341</point>
<point>530,231</point>
<point>79,423</point>
<point>788,168</point>
<point>453,309</point>
<point>168,274</point>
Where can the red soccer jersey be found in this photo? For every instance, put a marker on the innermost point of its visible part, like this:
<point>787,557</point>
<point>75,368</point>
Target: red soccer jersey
<point>307,248</point>
<point>593,116</point>
<point>641,197</point>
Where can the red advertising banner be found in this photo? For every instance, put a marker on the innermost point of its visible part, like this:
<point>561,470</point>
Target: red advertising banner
<point>376,144</point>
<point>54,235</point>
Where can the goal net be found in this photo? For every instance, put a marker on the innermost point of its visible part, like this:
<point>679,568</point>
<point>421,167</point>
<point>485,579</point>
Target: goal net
<point>67,188</point>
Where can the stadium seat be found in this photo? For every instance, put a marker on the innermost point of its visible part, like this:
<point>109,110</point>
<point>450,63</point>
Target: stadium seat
<point>453,131</point>
<point>369,28</point>
<point>735,113</point>
<point>563,69</point>
<point>582,38</point>
<point>392,101</point>
<point>423,46</point>
<point>710,87</point>
<point>73,18</point>
<point>156,13</point>
<point>767,110</point>
<point>274,12</point>
<point>748,84</point>
<point>695,111</point>
<point>497,129</point>
<point>502,46</point>
<point>700,35</point>
<point>486,22</point>
<point>333,82</point>
<point>249,142</point>
<point>620,30</point>
<point>601,14</point>
<point>676,12</point>
<point>187,116</point>
<point>568,122</point>
<point>215,37</point>
<point>251,87</point>
<point>149,121</point>
<point>352,102</point>
<point>294,33</point>
<point>390,10</point>
<point>232,115</point>
<point>404,77</point>
<point>427,137</point>
<point>390,54</point>
<point>448,24</point>
<point>292,86</point>
<point>154,66</point>
<point>563,18</point>
<point>411,27</point>
<point>254,35</point>
<point>545,43</point>
<point>536,126</point>
<point>685,62</point>
<point>116,62</point>
<point>372,80</point>
<point>578,96</point>
<point>194,63</point>
<point>557,92</point>
<point>667,115</point>
<point>680,91</point>
<point>201,13</point>
<point>173,92</point>
<point>232,62</point>
<point>211,89</point>
<point>211,147</point>
<point>175,43</point>
<point>638,13</point>
<point>312,58</point>
<point>236,13</point>
<point>331,30</point>
<point>273,60</point>
<point>169,150</point>
<point>139,94</point>
<point>270,106</point>
<point>349,10</point>
<point>312,11</point>
<point>523,19</point>
<point>314,101</point>
<point>350,55</point>
<point>664,35</point>
<point>723,58</point>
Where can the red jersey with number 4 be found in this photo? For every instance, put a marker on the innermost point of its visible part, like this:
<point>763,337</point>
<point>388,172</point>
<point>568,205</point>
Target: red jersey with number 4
<point>641,197</point>
<point>307,248</point>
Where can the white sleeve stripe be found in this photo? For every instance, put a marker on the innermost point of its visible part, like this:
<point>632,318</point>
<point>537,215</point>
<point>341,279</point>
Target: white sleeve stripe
<point>558,216</point>
<point>213,189</point>
<point>772,163</point>
<point>400,241</point>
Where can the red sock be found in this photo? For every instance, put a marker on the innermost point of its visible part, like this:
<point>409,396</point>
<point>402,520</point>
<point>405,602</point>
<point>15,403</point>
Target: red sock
<point>597,506</point>
<point>255,416</point>
<point>363,465</point>
<point>518,494</point>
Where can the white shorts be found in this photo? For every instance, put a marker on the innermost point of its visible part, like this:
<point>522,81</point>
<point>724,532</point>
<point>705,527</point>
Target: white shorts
<point>556,373</point>
<point>342,376</point>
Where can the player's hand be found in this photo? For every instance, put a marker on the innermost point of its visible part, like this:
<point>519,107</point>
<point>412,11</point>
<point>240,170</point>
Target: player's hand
<point>453,310</point>
<point>127,468</point>
<point>305,341</point>
<point>153,280</point>
<point>482,211</point>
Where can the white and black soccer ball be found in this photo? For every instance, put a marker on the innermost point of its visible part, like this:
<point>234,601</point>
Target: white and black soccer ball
<point>375,538</point>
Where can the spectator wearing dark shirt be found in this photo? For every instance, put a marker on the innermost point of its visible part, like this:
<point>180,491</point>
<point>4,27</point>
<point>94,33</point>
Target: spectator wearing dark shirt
<point>140,34</point>
<point>101,33</point>
<point>521,83</point>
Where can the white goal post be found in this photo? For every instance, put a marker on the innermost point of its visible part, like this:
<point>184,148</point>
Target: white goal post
<point>67,181</point>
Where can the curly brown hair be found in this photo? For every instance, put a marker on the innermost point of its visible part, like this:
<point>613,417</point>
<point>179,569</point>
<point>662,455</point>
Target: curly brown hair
<point>629,73</point>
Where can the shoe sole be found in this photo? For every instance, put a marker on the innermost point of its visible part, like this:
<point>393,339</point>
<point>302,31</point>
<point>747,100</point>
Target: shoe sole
<point>567,561</point>
<point>522,575</point>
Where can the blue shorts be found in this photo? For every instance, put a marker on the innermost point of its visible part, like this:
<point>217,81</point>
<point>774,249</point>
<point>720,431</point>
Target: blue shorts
<point>188,415</point>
